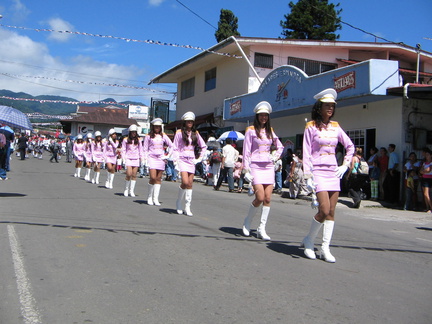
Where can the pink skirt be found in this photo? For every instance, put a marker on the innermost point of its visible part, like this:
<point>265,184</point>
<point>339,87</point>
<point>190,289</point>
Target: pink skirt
<point>111,159</point>
<point>325,178</point>
<point>88,157</point>
<point>98,158</point>
<point>263,173</point>
<point>79,157</point>
<point>156,163</point>
<point>132,162</point>
<point>186,165</point>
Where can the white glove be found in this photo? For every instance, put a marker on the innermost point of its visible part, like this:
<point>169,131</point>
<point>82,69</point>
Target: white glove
<point>176,166</point>
<point>340,171</point>
<point>311,185</point>
<point>248,176</point>
<point>164,157</point>
<point>195,161</point>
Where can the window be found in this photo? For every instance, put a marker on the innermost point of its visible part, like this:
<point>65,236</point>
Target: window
<point>263,61</point>
<point>358,138</point>
<point>188,88</point>
<point>311,67</point>
<point>210,79</point>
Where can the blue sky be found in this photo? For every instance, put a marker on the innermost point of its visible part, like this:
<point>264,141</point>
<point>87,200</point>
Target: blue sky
<point>80,67</point>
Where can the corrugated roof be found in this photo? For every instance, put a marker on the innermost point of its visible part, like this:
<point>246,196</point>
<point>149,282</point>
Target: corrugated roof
<point>117,117</point>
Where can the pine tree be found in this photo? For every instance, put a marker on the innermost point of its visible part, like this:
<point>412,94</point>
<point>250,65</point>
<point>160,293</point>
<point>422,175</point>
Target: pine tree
<point>312,19</point>
<point>227,25</point>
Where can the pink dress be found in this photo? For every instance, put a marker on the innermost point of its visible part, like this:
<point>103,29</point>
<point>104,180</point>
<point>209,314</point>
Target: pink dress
<point>88,152</point>
<point>78,151</point>
<point>131,153</point>
<point>319,154</point>
<point>185,154</point>
<point>154,151</point>
<point>97,152</point>
<point>110,151</point>
<point>257,156</point>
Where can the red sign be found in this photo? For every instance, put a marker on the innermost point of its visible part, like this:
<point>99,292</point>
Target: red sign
<point>345,81</point>
<point>235,107</point>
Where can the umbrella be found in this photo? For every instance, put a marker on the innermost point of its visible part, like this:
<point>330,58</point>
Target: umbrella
<point>236,136</point>
<point>14,118</point>
<point>7,128</point>
<point>213,144</point>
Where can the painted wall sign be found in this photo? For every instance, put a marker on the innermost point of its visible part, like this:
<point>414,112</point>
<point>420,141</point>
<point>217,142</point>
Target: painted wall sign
<point>345,81</point>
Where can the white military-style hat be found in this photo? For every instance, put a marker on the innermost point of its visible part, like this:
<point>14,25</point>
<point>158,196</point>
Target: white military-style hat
<point>97,133</point>
<point>133,128</point>
<point>89,135</point>
<point>263,107</point>
<point>188,116</point>
<point>157,122</point>
<point>111,131</point>
<point>327,95</point>
<point>79,137</point>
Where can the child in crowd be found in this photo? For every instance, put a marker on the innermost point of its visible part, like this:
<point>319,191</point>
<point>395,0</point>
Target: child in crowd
<point>410,190</point>
<point>374,177</point>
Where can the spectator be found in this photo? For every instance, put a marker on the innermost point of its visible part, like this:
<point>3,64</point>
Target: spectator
<point>393,175</point>
<point>22,146</point>
<point>374,177</point>
<point>278,170</point>
<point>229,158</point>
<point>426,172</point>
<point>411,188</point>
<point>383,164</point>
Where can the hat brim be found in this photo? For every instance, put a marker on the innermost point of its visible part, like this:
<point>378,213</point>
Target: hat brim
<point>331,100</point>
<point>262,111</point>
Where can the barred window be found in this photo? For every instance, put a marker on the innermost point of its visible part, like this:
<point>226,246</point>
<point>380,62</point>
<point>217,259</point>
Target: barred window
<point>210,79</point>
<point>263,60</point>
<point>311,67</point>
<point>188,88</point>
<point>358,138</point>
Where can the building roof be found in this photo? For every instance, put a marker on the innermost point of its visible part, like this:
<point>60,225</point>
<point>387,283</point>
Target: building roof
<point>229,47</point>
<point>108,116</point>
<point>85,109</point>
<point>412,91</point>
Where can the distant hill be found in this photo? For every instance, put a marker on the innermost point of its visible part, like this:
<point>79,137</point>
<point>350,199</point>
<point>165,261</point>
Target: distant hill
<point>48,108</point>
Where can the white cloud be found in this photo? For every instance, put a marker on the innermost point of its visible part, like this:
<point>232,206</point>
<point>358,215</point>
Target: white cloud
<point>155,2</point>
<point>59,24</point>
<point>20,11</point>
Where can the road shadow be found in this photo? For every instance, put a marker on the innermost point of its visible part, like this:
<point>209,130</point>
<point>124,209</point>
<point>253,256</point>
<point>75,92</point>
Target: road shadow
<point>11,194</point>
<point>424,228</point>
<point>292,250</point>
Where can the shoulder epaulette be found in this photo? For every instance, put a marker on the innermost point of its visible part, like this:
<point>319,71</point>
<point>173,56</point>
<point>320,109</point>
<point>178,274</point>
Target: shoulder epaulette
<point>334,124</point>
<point>310,124</point>
<point>250,128</point>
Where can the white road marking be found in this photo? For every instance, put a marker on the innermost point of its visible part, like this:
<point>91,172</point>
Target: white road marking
<point>28,308</point>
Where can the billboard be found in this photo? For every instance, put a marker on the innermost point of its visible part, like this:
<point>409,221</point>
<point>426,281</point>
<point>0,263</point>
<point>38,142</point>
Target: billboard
<point>160,109</point>
<point>138,112</point>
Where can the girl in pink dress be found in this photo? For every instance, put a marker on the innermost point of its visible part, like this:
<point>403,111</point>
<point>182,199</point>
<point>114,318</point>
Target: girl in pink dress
<point>154,156</point>
<point>321,137</point>
<point>88,156</point>
<point>110,156</point>
<point>185,141</point>
<point>132,154</point>
<point>259,163</point>
<point>78,151</point>
<point>97,155</point>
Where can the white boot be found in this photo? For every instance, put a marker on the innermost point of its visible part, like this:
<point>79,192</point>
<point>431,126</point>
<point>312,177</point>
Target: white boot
<point>180,200</point>
<point>248,220</point>
<point>96,177</point>
<point>188,199</point>
<point>308,241</point>
<point>261,232</point>
<point>132,188</point>
<point>78,172</point>
<point>111,180</point>
<point>107,182</point>
<point>87,176</point>
<point>127,185</point>
<point>150,194</point>
<point>156,194</point>
<point>325,247</point>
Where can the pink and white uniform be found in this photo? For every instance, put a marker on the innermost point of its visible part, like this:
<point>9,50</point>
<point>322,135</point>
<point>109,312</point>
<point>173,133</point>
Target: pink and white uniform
<point>131,153</point>
<point>319,154</point>
<point>257,155</point>
<point>185,154</point>
<point>110,151</point>
<point>88,152</point>
<point>97,152</point>
<point>154,151</point>
<point>79,151</point>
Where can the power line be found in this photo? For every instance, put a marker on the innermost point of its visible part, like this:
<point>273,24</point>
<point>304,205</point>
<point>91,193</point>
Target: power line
<point>196,14</point>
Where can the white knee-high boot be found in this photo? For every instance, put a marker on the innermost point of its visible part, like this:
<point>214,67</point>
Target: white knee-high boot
<point>261,232</point>
<point>132,188</point>
<point>188,200</point>
<point>96,177</point>
<point>111,180</point>
<point>127,185</point>
<point>156,192</point>
<point>180,200</point>
<point>107,182</point>
<point>87,176</point>
<point>248,220</point>
<point>327,236</point>
<point>309,240</point>
<point>150,194</point>
<point>78,172</point>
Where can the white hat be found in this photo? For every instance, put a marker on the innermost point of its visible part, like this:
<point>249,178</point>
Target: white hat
<point>157,122</point>
<point>89,135</point>
<point>263,107</point>
<point>327,95</point>
<point>98,134</point>
<point>111,131</point>
<point>188,116</point>
<point>211,139</point>
<point>79,137</point>
<point>133,128</point>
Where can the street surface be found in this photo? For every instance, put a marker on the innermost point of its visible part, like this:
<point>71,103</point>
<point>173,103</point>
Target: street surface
<point>75,252</point>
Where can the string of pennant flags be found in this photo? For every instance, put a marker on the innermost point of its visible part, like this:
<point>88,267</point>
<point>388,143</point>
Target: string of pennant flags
<point>65,102</point>
<point>85,82</point>
<point>147,41</point>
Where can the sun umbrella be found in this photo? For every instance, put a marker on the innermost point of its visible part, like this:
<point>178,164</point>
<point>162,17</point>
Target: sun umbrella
<point>14,118</point>
<point>236,136</point>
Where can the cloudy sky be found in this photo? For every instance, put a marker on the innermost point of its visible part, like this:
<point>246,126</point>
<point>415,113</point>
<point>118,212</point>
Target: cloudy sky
<point>84,66</point>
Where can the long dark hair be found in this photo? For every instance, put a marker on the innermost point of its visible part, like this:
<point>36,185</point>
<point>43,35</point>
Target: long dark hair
<point>135,139</point>
<point>193,134</point>
<point>96,141</point>
<point>267,127</point>
<point>152,131</point>
<point>316,114</point>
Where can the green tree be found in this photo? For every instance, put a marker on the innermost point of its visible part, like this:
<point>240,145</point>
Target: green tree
<point>312,19</point>
<point>227,25</point>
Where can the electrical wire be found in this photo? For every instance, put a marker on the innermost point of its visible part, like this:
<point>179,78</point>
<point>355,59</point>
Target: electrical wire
<point>196,14</point>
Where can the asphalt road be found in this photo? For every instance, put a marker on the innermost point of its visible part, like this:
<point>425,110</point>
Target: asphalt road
<point>75,252</point>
